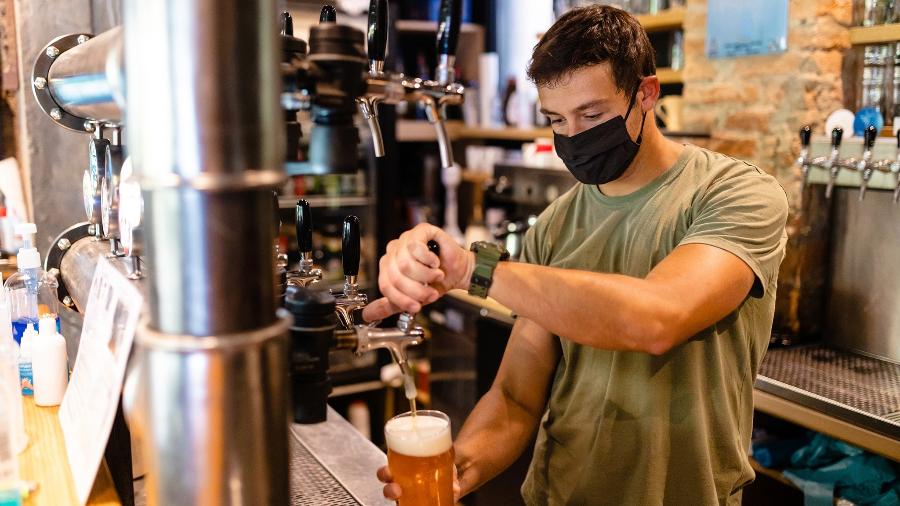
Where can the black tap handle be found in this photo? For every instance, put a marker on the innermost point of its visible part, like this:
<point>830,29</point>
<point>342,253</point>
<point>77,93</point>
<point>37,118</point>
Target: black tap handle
<point>287,24</point>
<point>836,136</point>
<point>304,226</point>
<point>350,246</point>
<point>328,14</point>
<point>805,136</point>
<point>378,30</point>
<point>434,247</point>
<point>869,136</point>
<point>448,27</point>
<point>276,225</point>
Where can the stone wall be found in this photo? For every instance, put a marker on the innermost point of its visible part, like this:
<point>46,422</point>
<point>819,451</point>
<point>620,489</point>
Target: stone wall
<point>754,107</point>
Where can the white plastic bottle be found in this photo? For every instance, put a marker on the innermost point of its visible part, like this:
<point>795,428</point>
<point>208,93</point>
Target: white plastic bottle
<point>50,364</point>
<point>26,371</point>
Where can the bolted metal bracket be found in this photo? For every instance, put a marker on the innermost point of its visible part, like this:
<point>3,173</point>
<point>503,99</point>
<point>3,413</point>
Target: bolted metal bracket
<point>40,82</point>
<point>58,249</point>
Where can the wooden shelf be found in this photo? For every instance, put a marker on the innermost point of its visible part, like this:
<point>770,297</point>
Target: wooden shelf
<point>326,201</point>
<point>875,34</point>
<point>670,19</point>
<point>423,131</point>
<point>507,134</point>
<point>667,75</point>
<point>416,25</point>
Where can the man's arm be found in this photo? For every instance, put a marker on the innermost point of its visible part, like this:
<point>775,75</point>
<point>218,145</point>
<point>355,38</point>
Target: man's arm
<point>691,289</point>
<point>500,427</point>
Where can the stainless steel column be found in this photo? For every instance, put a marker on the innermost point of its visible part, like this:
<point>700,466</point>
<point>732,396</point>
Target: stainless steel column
<point>204,131</point>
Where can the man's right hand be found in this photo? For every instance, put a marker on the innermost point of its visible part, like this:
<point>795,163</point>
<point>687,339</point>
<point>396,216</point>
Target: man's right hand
<point>410,276</point>
<point>392,490</point>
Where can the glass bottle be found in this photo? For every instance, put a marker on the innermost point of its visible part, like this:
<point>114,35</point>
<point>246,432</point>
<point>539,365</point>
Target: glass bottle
<point>873,78</point>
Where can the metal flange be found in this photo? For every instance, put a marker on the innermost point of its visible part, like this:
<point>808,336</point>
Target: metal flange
<point>40,82</point>
<point>58,249</point>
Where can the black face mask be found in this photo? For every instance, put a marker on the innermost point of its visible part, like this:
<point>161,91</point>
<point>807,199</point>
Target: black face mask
<point>602,153</point>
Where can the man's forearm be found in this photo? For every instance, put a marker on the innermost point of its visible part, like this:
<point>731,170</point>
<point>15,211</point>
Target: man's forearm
<point>494,435</point>
<point>608,311</point>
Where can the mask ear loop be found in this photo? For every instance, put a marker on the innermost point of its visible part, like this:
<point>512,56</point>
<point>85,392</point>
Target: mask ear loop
<point>631,102</point>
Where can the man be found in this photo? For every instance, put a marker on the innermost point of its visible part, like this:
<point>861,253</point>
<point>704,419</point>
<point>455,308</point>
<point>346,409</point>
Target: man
<point>644,299</point>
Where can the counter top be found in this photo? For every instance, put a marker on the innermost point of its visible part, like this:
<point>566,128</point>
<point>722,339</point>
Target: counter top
<point>333,464</point>
<point>44,463</point>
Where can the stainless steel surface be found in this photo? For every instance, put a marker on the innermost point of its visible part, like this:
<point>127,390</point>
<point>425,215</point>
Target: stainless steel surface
<point>858,389</point>
<point>864,296</point>
<point>344,453</point>
<point>205,137</point>
<point>212,412</point>
<point>77,268</point>
<point>206,141</point>
<point>885,161</point>
<point>87,80</point>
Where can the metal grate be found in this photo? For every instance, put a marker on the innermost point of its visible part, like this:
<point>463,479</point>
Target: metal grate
<point>312,484</point>
<point>862,383</point>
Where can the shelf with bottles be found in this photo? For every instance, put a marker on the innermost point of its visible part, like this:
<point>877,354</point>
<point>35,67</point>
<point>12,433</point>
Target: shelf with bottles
<point>328,201</point>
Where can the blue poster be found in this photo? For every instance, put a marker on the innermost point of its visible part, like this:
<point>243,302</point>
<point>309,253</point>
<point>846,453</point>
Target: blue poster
<point>746,28</point>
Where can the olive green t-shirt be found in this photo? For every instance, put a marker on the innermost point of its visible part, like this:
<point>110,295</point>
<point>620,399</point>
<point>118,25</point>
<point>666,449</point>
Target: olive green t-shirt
<point>625,428</point>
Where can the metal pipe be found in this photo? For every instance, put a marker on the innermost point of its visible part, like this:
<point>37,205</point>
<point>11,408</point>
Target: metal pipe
<point>205,136</point>
<point>87,80</point>
<point>76,269</point>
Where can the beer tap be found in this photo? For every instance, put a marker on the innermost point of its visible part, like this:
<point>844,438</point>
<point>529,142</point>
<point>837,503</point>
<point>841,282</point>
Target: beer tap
<point>393,88</point>
<point>833,163</point>
<point>328,14</point>
<point>351,299</point>
<point>804,161</point>
<point>865,166</point>
<point>377,52</point>
<point>307,274</point>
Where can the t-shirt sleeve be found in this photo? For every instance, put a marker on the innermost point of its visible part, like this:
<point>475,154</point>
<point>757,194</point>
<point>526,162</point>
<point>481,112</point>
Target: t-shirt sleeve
<point>531,247</point>
<point>744,215</point>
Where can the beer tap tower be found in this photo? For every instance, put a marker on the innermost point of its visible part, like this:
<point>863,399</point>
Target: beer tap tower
<point>866,172</point>
<point>210,91</point>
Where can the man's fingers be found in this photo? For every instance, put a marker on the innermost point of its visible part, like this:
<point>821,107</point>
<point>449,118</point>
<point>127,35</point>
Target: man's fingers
<point>379,310</point>
<point>384,474</point>
<point>421,253</point>
<point>392,491</point>
<point>413,268</point>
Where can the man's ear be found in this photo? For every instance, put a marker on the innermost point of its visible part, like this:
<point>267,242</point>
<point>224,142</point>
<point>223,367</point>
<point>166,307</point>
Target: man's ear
<point>648,92</point>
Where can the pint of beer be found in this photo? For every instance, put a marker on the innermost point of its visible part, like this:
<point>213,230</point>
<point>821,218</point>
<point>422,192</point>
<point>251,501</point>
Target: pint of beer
<point>420,456</point>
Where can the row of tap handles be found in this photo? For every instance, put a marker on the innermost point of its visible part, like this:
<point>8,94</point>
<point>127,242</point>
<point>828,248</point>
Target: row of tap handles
<point>350,300</point>
<point>833,164</point>
<point>382,86</point>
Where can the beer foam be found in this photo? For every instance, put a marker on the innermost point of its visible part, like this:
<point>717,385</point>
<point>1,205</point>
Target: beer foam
<point>425,436</point>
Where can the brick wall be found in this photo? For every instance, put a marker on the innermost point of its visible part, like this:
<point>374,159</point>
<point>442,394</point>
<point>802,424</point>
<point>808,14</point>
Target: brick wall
<point>753,106</point>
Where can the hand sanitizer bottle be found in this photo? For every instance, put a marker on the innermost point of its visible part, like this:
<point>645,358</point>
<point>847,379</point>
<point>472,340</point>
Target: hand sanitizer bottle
<point>32,292</point>
<point>50,364</point>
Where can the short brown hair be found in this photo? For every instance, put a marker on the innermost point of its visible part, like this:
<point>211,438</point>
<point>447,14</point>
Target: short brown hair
<point>589,36</point>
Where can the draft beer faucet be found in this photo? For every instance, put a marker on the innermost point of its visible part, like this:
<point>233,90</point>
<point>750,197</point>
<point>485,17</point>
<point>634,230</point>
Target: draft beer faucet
<point>804,161</point>
<point>307,273</point>
<point>865,166</point>
<point>833,163</point>
<point>351,299</point>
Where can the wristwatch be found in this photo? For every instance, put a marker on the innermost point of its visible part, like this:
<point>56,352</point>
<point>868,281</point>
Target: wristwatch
<point>487,254</point>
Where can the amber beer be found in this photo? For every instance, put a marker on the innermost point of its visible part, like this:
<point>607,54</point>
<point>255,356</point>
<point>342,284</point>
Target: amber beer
<point>420,456</point>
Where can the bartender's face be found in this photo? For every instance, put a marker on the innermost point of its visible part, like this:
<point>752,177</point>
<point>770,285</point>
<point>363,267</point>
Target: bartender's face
<point>586,98</point>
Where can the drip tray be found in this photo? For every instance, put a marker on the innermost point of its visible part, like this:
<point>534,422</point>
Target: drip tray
<point>311,483</point>
<point>855,388</point>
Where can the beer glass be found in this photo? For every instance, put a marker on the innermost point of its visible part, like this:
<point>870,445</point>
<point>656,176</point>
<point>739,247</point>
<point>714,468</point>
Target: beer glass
<point>420,456</point>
